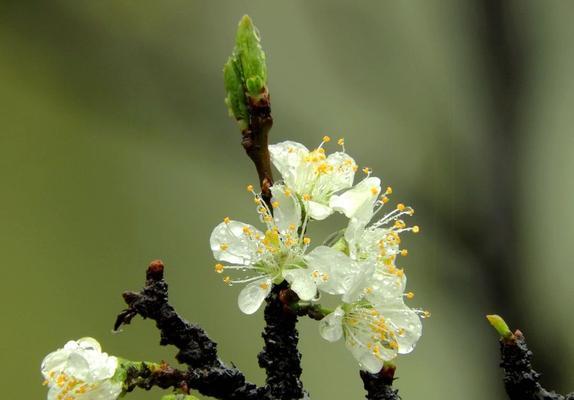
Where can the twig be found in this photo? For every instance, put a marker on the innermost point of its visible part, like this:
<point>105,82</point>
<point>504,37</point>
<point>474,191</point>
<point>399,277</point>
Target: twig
<point>379,385</point>
<point>520,379</point>
<point>206,373</point>
<point>255,141</point>
<point>280,356</point>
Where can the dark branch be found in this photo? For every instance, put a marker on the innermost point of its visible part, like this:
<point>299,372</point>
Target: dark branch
<point>379,386</point>
<point>520,379</point>
<point>206,373</point>
<point>255,141</point>
<point>280,357</point>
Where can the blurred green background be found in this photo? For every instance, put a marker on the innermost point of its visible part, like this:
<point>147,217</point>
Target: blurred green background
<point>116,149</point>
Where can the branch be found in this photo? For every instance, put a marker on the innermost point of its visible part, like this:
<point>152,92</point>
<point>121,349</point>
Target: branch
<point>255,141</point>
<point>280,356</point>
<point>520,379</point>
<point>379,386</point>
<point>206,373</point>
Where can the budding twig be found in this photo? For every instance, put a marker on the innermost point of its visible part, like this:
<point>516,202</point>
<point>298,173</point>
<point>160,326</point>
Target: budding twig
<point>206,372</point>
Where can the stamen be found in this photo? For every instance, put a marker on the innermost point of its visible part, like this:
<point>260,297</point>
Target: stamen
<point>219,268</point>
<point>226,220</point>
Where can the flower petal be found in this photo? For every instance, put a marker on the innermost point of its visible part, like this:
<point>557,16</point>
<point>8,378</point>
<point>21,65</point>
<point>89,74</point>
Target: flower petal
<point>361,281</point>
<point>301,283</point>
<point>251,296</point>
<point>359,200</point>
<point>287,157</point>
<point>331,326</point>
<point>318,211</point>
<point>288,211</point>
<point>343,171</point>
<point>405,320</point>
<point>230,243</point>
<point>333,269</point>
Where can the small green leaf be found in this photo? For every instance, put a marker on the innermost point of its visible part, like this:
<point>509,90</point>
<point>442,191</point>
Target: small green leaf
<point>251,56</point>
<point>235,100</point>
<point>500,325</point>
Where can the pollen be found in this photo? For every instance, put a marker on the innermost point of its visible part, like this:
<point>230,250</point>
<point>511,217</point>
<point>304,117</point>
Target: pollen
<point>384,200</point>
<point>246,230</point>
<point>275,204</point>
<point>404,252</point>
<point>426,314</point>
<point>367,170</point>
<point>341,142</point>
<point>226,220</point>
<point>227,280</point>
<point>292,227</point>
<point>410,295</point>
<point>374,191</point>
<point>326,139</point>
<point>416,229</point>
<point>389,190</point>
<point>306,240</point>
<point>306,197</point>
<point>268,218</point>
<point>223,246</point>
<point>219,268</point>
<point>401,207</point>
<point>287,192</point>
<point>264,285</point>
<point>250,188</point>
<point>257,200</point>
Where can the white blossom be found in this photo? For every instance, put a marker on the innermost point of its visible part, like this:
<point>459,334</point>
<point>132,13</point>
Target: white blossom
<point>312,175</point>
<point>81,371</point>
<point>267,257</point>
<point>374,333</point>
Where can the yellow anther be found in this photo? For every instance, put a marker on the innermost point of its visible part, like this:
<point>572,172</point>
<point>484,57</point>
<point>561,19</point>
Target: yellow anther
<point>227,280</point>
<point>411,211</point>
<point>219,268</point>
<point>341,142</point>
<point>394,345</point>
<point>399,224</point>
<point>369,290</point>
<point>257,200</point>
<point>268,218</point>
<point>306,197</point>
<point>264,285</point>
<point>426,314</point>
<point>315,274</point>
<point>400,272</point>
<point>389,190</point>
<point>306,240</point>
<point>246,230</point>
<point>410,295</point>
<point>355,168</point>
<point>367,170</point>
<point>384,199</point>
<point>374,191</point>
<point>401,207</point>
<point>401,331</point>
<point>292,227</point>
<point>275,204</point>
<point>326,139</point>
<point>416,229</point>
<point>226,220</point>
<point>287,192</point>
<point>250,188</point>
<point>321,150</point>
<point>223,246</point>
<point>404,252</point>
<point>325,277</point>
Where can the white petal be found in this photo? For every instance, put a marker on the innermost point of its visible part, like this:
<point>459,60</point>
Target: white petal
<point>88,343</point>
<point>367,360</point>
<point>287,157</point>
<point>331,327</point>
<point>360,281</point>
<point>252,296</point>
<point>289,210</point>
<point>231,244</point>
<point>359,200</point>
<point>318,211</point>
<point>343,173</point>
<point>403,317</point>
<point>301,283</point>
<point>335,269</point>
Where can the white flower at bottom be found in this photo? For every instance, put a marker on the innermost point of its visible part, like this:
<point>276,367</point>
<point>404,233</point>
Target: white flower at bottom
<point>374,333</point>
<point>81,371</point>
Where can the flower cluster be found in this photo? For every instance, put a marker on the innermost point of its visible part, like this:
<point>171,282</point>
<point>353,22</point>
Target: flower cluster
<point>80,371</point>
<point>358,263</point>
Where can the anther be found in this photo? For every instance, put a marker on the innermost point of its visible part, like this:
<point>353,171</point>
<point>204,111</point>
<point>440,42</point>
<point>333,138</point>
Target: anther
<point>250,188</point>
<point>410,295</point>
<point>275,204</point>
<point>226,220</point>
<point>219,268</point>
<point>341,142</point>
<point>401,207</point>
<point>326,139</point>
<point>389,190</point>
<point>416,229</point>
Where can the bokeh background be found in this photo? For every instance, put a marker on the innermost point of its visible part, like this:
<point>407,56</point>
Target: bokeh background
<point>116,149</point>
